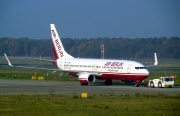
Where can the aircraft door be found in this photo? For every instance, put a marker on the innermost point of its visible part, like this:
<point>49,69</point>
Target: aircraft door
<point>94,67</point>
<point>128,68</point>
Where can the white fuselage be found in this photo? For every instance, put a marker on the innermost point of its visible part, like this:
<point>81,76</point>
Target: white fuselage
<point>108,69</point>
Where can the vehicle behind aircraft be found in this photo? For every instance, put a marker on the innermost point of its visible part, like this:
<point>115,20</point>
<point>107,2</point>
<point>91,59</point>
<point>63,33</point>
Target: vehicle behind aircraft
<point>162,82</point>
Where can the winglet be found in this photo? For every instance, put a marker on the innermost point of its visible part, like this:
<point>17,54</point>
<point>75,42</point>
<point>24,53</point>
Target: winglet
<point>155,59</point>
<point>9,63</point>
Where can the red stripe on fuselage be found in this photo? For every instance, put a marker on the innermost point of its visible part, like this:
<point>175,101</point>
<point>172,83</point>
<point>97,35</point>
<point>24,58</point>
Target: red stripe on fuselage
<point>124,76</point>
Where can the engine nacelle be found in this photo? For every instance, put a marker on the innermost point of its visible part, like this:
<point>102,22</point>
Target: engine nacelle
<point>86,78</point>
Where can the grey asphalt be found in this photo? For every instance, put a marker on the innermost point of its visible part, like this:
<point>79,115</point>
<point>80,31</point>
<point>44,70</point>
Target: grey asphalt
<point>44,87</point>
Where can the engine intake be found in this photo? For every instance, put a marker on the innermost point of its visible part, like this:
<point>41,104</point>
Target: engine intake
<point>87,78</point>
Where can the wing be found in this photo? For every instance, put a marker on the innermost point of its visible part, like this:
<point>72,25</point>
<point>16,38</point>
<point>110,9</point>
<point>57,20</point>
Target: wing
<point>27,67</point>
<point>41,59</point>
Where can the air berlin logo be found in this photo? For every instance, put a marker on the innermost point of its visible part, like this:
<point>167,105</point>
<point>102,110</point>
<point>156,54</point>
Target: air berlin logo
<point>57,43</point>
<point>113,64</point>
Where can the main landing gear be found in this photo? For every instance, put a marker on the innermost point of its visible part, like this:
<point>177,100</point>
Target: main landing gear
<point>84,84</point>
<point>136,84</point>
<point>108,82</point>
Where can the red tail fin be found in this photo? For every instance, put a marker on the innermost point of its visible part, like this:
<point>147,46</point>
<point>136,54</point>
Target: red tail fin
<point>58,48</point>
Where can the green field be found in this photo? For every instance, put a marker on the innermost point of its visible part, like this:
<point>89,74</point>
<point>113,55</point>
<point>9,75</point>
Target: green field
<point>98,105</point>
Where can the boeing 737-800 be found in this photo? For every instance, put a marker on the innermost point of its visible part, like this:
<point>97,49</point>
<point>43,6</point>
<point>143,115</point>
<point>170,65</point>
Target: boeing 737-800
<point>88,70</point>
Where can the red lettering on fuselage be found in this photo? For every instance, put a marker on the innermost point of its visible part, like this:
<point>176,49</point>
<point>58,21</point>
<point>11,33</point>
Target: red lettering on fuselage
<point>113,64</point>
<point>107,64</point>
<point>57,43</point>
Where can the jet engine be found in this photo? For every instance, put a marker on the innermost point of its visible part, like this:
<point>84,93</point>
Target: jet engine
<point>86,78</point>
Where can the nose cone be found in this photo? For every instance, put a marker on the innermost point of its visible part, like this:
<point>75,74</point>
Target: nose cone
<point>146,72</point>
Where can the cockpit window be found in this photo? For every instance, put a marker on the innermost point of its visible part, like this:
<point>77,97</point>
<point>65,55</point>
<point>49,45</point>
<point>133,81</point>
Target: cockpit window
<point>140,67</point>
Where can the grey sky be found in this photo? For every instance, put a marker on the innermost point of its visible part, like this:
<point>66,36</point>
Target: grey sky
<point>90,18</point>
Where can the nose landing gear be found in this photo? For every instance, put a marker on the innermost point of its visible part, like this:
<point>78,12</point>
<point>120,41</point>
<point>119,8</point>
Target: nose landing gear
<point>136,84</point>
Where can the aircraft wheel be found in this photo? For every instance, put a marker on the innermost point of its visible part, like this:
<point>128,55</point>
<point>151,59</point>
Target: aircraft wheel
<point>108,82</point>
<point>152,85</point>
<point>137,85</point>
<point>84,84</point>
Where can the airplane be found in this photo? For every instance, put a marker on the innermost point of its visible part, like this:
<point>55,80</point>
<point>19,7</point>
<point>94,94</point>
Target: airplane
<point>88,70</point>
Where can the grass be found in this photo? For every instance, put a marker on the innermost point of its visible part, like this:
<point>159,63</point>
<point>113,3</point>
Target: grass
<point>157,104</point>
<point>26,74</point>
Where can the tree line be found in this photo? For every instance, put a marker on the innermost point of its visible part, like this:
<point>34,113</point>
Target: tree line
<point>114,48</point>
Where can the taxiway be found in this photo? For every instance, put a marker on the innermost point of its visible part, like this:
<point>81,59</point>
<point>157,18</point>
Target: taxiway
<point>44,87</point>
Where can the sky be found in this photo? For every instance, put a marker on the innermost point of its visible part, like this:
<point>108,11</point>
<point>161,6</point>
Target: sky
<point>90,18</point>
